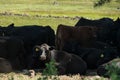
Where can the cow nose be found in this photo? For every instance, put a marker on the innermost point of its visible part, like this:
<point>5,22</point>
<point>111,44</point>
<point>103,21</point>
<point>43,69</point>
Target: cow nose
<point>42,58</point>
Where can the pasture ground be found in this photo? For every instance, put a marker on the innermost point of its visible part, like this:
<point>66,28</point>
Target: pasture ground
<point>38,76</point>
<point>53,12</point>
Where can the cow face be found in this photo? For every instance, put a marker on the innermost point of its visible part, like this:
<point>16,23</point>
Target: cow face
<point>42,51</point>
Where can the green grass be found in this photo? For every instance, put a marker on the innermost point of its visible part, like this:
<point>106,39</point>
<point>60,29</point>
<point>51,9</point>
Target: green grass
<point>66,8</point>
<point>31,20</point>
<point>70,8</point>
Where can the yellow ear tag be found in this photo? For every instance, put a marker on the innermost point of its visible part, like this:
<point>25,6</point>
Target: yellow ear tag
<point>102,55</point>
<point>36,49</point>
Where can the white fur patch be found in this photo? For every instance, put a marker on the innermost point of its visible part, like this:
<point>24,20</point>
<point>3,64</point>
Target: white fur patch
<point>57,64</point>
<point>43,54</point>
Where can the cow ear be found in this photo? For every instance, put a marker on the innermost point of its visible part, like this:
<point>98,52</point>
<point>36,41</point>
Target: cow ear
<point>51,47</point>
<point>11,25</point>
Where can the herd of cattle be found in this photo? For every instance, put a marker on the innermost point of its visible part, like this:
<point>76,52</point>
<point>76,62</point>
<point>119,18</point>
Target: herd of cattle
<point>87,45</point>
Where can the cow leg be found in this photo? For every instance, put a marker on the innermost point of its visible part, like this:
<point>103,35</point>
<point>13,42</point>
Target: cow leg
<point>60,68</point>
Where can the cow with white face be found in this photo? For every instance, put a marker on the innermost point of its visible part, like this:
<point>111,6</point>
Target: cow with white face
<point>65,63</point>
<point>42,52</point>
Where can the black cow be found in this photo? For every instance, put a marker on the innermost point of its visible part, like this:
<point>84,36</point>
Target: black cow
<point>12,49</point>
<point>98,54</point>
<point>114,34</point>
<point>5,66</point>
<point>85,36</point>
<point>117,34</point>
<point>31,35</point>
<point>81,41</point>
<point>91,56</point>
<point>65,62</point>
<point>117,23</point>
<point>105,28</point>
<point>103,22</point>
<point>95,57</point>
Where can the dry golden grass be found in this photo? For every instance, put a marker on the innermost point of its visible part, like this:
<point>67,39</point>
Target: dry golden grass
<point>38,76</point>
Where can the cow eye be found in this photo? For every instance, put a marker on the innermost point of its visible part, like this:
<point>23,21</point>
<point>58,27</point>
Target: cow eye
<point>102,55</point>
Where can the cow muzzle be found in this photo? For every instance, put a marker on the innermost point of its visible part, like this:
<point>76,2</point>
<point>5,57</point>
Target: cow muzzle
<point>42,58</point>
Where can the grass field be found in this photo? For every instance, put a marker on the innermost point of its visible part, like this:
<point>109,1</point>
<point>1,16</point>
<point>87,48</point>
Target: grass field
<point>62,8</point>
<point>21,76</point>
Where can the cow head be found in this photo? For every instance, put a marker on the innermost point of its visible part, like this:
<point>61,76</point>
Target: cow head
<point>42,51</point>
